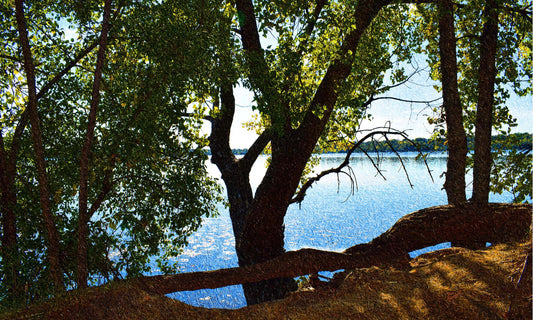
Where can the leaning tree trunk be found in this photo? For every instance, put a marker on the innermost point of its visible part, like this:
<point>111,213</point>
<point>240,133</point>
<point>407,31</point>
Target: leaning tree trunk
<point>457,147</point>
<point>486,80</point>
<point>494,223</point>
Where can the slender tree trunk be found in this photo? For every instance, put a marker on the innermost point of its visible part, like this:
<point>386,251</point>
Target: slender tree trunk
<point>44,194</point>
<point>8,202</point>
<point>8,198</point>
<point>486,80</point>
<point>457,147</point>
<point>83,218</point>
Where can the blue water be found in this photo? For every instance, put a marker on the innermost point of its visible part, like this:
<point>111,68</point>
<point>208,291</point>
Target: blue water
<point>330,217</point>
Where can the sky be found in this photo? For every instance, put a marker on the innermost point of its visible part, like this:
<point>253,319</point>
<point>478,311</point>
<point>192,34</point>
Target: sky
<point>402,116</point>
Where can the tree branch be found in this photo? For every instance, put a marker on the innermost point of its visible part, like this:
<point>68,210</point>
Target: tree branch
<point>401,161</point>
<point>311,24</point>
<point>326,94</point>
<point>37,141</point>
<point>221,154</point>
<point>82,54</point>
<point>524,12</point>
<point>106,188</point>
<point>301,193</point>
<point>8,57</point>
<point>255,150</point>
<point>83,214</point>
<point>407,100</point>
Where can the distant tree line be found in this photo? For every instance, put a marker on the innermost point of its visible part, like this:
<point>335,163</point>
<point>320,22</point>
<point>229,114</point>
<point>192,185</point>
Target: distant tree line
<point>515,141</point>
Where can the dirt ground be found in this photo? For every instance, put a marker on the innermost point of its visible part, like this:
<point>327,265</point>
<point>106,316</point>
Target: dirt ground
<point>453,283</point>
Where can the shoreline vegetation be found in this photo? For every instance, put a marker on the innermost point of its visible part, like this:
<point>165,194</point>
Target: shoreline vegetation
<point>516,141</point>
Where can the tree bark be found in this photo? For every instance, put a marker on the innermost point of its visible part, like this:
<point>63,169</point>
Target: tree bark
<point>50,227</point>
<point>431,226</point>
<point>457,147</point>
<point>83,216</point>
<point>486,80</point>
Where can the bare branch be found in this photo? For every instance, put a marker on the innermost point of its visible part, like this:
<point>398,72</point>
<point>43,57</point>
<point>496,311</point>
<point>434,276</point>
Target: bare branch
<point>301,193</point>
<point>299,197</point>
<point>407,100</point>
<point>192,115</point>
<point>401,161</point>
<point>376,165</point>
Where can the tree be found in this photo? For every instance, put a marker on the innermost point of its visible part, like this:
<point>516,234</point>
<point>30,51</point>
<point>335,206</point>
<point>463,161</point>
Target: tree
<point>325,66</point>
<point>83,215</point>
<point>298,102</point>
<point>142,187</point>
<point>147,187</point>
<point>13,88</point>
<point>50,226</point>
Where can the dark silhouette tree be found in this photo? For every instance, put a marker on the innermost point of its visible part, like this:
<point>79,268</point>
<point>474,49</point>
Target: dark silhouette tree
<point>295,113</point>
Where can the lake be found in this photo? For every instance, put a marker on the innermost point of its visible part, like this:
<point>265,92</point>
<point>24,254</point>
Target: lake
<point>330,217</point>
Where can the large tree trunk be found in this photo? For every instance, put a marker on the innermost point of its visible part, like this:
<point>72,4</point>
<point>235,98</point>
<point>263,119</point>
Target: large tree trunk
<point>44,194</point>
<point>235,174</point>
<point>457,147</point>
<point>263,234</point>
<point>493,223</point>
<point>485,103</point>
